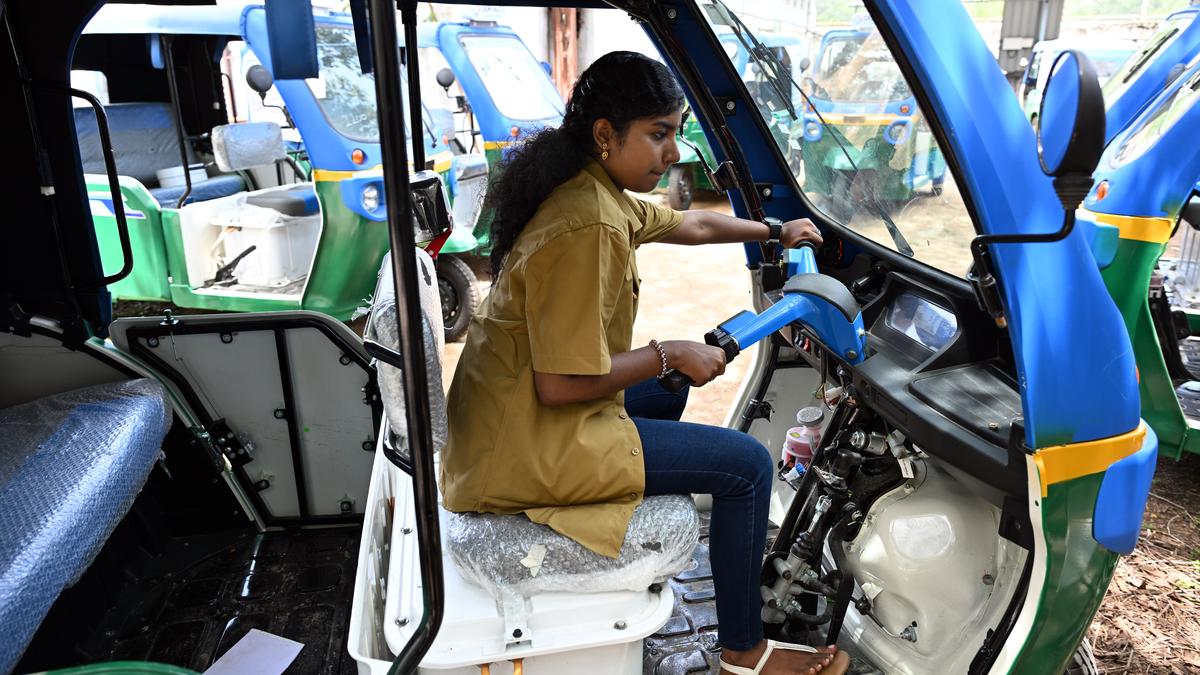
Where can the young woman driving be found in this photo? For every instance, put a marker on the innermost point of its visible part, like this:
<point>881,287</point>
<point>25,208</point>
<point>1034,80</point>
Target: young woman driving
<point>553,413</point>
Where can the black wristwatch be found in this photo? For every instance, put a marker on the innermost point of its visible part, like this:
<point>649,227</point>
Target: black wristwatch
<point>776,229</point>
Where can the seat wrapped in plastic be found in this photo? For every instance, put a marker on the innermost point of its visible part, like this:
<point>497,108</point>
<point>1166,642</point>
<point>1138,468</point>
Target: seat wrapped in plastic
<point>70,467</point>
<point>512,554</point>
<point>383,329</point>
<point>246,145</point>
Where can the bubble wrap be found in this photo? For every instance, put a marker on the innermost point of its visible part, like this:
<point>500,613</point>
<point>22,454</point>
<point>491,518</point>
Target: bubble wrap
<point>246,145</point>
<point>70,468</point>
<point>503,555</point>
<point>384,330</point>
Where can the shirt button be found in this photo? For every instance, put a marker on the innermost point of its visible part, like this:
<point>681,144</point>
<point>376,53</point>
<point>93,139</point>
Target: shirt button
<point>633,495</point>
<point>622,415</point>
<point>636,451</point>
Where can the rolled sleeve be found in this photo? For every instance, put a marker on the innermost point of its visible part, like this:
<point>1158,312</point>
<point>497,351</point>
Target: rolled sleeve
<point>573,283</point>
<point>656,221</point>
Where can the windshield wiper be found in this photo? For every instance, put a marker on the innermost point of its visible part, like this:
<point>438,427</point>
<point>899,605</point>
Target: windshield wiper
<point>780,77</point>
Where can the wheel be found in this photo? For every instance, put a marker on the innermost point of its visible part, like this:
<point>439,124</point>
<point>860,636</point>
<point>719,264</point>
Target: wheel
<point>456,286</point>
<point>679,195</point>
<point>1083,662</point>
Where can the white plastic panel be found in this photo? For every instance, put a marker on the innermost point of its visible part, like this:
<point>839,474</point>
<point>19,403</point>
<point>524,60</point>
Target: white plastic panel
<point>38,366</point>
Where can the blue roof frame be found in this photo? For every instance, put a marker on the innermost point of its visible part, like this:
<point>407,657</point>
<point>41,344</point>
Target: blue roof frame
<point>1075,365</point>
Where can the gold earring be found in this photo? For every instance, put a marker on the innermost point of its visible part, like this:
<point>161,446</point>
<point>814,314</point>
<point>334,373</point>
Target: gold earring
<point>604,154</point>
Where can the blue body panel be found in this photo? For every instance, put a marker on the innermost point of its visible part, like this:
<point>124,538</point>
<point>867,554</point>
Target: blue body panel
<point>494,125</point>
<point>1153,76</point>
<point>1158,181</point>
<point>1074,361</point>
<point>1121,501</point>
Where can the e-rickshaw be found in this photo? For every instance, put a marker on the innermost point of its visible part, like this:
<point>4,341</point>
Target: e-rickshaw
<point>1146,188</point>
<point>225,244</point>
<point>1158,59</point>
<point>861,132</point>
<point>983,463</point>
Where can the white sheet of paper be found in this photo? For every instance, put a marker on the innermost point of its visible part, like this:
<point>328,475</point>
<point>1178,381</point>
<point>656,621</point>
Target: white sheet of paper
<point>259,653</point>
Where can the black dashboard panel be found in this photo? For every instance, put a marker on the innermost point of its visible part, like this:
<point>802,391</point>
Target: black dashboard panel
<point>939,370</point>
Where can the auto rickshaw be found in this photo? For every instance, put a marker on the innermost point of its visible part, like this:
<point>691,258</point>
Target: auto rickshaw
<point>193,478</point>
<point>1158,59</point>
<point>1146,188</point>
<point>219,247</point>
<point>877,145</point>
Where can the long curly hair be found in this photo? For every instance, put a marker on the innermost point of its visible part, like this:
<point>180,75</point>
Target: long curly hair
<point>619,87</point>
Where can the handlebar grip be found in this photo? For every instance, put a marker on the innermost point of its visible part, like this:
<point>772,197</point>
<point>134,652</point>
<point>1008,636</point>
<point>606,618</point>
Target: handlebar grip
<point>675,381</point>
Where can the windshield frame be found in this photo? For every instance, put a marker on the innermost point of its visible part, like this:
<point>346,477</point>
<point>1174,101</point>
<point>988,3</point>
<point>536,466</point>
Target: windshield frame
<point>877,248</point>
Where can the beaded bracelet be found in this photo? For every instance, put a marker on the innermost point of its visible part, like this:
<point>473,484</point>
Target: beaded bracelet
<point>662,354</point>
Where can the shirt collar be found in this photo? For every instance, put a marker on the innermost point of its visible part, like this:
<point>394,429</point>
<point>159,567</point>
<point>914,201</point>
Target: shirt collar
<point>601,176</point>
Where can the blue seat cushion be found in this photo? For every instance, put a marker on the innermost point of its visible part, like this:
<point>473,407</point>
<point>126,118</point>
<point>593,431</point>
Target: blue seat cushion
<point>70,467</point>
<point>300,200</point>
<point>213,188</point>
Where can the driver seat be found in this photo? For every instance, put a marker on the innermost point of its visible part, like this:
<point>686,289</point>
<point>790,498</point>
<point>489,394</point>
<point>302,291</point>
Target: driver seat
<point>547,592</point>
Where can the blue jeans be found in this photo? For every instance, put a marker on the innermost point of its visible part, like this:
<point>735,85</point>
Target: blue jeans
<point>733,467</point>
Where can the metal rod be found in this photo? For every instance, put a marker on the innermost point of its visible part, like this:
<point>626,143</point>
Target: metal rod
<point>289,414</point>
<point>173,83</point>
<point>390,108</point>
<point>408,14</point>
<point>114,187</point>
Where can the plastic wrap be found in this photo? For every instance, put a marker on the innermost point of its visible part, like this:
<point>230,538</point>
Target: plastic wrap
<point>246,145</point>
<point>512,554</point>
<point>70,468</point>
<point>384,330</point>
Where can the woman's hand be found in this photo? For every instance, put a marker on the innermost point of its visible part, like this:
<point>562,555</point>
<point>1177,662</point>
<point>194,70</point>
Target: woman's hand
<point>796,231</point>
<point>703,363</point>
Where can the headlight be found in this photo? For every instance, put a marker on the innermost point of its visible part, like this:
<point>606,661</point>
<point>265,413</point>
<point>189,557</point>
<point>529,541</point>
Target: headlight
<point>370,198</point>
<point>897,133</point>
<point>812,130</point>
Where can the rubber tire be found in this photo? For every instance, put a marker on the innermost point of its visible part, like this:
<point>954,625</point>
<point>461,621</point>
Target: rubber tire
<point>460,299</point>
<point>682,183</point>
<point>1083,662</point>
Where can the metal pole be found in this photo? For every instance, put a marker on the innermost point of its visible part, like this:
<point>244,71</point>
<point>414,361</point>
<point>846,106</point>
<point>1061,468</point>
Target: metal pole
<point>389,102</point>
<point>169,62</point>
<point>408,14</point>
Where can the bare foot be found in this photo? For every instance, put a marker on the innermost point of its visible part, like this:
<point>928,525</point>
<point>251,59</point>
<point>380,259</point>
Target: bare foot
<point>788,662</point>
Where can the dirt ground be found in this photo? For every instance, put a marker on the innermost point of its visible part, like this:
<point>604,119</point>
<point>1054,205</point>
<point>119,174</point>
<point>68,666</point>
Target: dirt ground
<point>1149,621</point>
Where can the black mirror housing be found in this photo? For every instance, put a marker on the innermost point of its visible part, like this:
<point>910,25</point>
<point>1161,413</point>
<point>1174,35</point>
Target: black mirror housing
<point>259,79</point>
<point>1070,131</point>
<point>445,78</point>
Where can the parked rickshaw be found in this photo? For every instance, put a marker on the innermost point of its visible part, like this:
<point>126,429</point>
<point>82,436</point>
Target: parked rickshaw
<point>195,251</point>
<point>1106,58</point>
<point>983,463</point>
<point>1158,59</point>
<point>1145,184</point>
<point>862,133</point>
<point>692,171</point>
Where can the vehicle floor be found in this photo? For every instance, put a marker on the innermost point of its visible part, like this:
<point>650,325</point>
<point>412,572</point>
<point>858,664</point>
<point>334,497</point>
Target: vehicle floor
<point>295,287</point>
<point>194,602</point>
<point>687,643</point>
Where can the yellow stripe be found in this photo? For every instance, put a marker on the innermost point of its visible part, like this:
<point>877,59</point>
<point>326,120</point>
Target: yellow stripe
<point>1059,463</point>
<point>496,145</point>
<point>1153,229</point>
<point>331,176</point>
<point>442,162</point>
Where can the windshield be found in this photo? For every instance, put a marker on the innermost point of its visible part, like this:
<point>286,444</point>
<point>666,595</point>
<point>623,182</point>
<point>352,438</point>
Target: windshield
<point>859,68</point>
<point>1160,120</point>
<point>347,96</point>
<point>1153,45</point>
<point>516,82</point>
<point>859,147</point>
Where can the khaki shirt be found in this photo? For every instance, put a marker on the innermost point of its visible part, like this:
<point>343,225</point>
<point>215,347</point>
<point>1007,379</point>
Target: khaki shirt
<point>564,303</point>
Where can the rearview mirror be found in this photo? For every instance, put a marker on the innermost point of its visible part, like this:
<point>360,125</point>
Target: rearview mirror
<point>259,79</point>
<point>445,78</point>
<point>805,62</point>
<point>1070,135</point>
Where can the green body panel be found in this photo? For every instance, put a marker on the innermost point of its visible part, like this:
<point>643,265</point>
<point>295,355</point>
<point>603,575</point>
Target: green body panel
<point>343,273</point>
<point>148,279</point>
<point>125,668</point>
<point>1127,279</point>
<point>1076,579</point>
